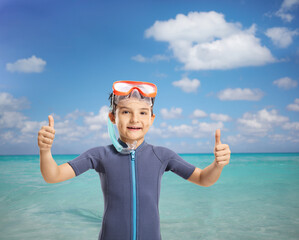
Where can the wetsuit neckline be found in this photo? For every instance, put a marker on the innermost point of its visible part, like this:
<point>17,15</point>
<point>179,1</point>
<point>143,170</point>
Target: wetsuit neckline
<point>137,149</point>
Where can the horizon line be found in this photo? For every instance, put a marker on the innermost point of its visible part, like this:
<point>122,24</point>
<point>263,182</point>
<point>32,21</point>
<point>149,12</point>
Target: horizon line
<point>177,153</point>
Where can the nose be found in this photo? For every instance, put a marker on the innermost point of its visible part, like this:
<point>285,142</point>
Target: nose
<point>134,118</point>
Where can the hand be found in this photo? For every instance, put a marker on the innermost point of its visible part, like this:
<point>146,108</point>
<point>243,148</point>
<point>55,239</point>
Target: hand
<point>221,151</point>
<point>46,135</point>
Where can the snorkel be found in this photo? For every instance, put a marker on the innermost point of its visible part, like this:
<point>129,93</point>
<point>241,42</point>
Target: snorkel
<point>123,91</point>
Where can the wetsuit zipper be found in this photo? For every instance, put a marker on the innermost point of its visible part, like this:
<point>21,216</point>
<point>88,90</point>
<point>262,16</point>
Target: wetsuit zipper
<point>134,225</point>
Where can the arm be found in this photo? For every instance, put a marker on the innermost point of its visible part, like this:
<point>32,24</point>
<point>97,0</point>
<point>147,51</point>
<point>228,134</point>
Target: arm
<point>53,173</point>
<point>206,177</point>
<point>49,169</point>
<point>211,173</point>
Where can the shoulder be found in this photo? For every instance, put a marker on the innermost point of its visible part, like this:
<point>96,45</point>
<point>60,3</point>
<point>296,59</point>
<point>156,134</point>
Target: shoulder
<point>163,152</point>
<point>100,150</point>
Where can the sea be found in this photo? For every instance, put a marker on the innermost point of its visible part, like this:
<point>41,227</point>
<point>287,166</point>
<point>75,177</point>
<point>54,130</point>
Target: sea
<point>256,197</point>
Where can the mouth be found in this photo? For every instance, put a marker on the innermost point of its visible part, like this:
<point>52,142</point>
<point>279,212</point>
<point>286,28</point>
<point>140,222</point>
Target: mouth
<point>134,128</point>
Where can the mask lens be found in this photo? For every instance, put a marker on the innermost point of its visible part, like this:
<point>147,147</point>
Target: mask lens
<point>147,89</point>
<point>122,87</point>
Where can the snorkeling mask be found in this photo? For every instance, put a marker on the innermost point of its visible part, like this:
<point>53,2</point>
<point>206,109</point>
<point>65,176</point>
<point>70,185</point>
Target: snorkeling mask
<point>124,90</point>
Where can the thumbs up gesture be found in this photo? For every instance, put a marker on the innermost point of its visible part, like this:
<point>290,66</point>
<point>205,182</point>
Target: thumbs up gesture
<point>46,135</point>
<point>221,151</point>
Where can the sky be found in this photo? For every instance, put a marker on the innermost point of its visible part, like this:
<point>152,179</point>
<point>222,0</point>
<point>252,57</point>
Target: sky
<point>229,65</point>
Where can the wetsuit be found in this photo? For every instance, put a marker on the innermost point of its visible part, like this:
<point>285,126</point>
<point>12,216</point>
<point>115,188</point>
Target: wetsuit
<point>131,187</point>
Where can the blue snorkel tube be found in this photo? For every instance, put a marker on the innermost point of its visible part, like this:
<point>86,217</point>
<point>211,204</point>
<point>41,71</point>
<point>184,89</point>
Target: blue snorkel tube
<point>116,144</point>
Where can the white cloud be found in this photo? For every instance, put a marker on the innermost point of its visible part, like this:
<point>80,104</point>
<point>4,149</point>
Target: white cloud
<point>69,131</point>
<point>33,126</point>
<point>12,119</point>
<point>94,125</point>
<point>172,113</point>
<point>205,40</point>
<point>239,139</point>
<point>155,131</point>
<point>293,126</point>
<point>7,136</point>
<point>235,139</point>
<point>294,106</point>
<point>192,131</point>
<point>182,130</point>
<point>9,103</point>
<point>279,137</point>
<point>240,94</point>
<point>29,65</point>
<point>281,36</point>
<point>105,135</point>
<point>96,122</point>
<point>155,58</point>
<point>198,130</point>
<point>220,117</point>
<point>16,128</point>
<point>197,113</point>
<point>139,58</point>
<point>283,138</point>
<point>75,114</point>
<point>285,83</point>
<point>260,123</point>
<point>161,75</point>
<point>15,138</point>
<point>286,7</point>
<point>187,85</point>
<point>195,121</point>
<point>210,127</point>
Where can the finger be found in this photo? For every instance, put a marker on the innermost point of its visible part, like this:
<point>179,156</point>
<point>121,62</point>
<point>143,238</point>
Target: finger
<point>217,137</point>
<point>46,134</point>
<point>44,146</point>
<point>48,129</point>
<point>222,153</point>
<point>51,121</point>
<point>221,147</point>
<point>47,141</point>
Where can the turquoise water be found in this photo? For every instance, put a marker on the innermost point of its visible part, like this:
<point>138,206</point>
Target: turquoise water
<point>256,197</point>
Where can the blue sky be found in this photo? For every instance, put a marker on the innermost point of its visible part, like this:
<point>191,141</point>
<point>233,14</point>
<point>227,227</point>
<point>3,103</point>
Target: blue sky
<point>231,65</point>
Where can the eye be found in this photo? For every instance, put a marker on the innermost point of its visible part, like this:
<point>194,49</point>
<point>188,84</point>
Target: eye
<point>143,113</point>
<point>125,112</point>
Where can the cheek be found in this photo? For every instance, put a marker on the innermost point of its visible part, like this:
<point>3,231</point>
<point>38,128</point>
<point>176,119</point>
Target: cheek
<point>147,122</point>
<point>119,123</point>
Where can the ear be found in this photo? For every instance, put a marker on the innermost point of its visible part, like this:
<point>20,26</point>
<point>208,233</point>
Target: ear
<point>152,119</point>
<point>112,117</point>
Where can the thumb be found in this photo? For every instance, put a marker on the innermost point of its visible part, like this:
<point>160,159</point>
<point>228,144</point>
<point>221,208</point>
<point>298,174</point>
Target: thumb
<point>51,121</point>
<point>217,137</point>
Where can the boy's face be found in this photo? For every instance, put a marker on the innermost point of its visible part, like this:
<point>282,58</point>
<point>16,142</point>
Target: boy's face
<point>133,119</point>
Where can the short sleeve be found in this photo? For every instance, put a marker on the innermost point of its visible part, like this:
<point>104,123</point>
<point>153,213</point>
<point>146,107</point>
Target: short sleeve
<point>179,166</point>
<point>85,161</point>
<point>174,162</point>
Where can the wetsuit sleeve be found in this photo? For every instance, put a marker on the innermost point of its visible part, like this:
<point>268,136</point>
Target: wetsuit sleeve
<point>85,161</point>
<point>179,166</point>
<point>174,162</point>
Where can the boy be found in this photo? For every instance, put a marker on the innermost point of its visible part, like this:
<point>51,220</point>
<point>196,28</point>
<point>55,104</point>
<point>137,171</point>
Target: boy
<point>130,170</point>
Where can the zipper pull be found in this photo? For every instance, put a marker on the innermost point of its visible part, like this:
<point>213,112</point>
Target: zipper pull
<point>133,155</point>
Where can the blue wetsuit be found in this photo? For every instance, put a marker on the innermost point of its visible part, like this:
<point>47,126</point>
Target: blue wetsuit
<point>131,187</point>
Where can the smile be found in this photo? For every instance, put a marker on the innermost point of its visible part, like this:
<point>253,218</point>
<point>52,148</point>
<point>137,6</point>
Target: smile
<point>134,128</point>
